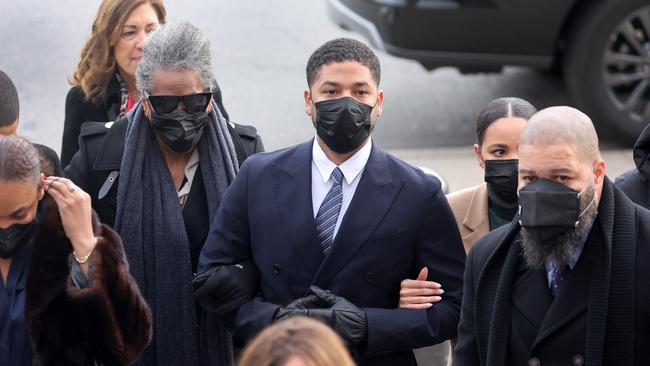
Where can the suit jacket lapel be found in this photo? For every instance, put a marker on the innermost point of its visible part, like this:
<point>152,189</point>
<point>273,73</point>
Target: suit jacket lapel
<point>476,218</point>
<point>571,300</point>
<point>531,295</point>
<point>292,187</point>
<point>372,199</point>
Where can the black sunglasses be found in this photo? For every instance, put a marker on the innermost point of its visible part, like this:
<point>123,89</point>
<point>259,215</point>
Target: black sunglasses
<point>193,103</point>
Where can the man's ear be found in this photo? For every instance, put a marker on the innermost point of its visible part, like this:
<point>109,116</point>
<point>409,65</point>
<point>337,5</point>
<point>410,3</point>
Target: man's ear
<point>479,156</point>
<point>599,171</point>
<point>380,103</point>
<point>307,96</point>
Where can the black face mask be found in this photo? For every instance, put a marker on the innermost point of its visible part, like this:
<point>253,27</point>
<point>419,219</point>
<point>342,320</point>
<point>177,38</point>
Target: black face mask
<point>14,238</point>
<point>179,130</point>
<point>502,179</point>
<point>550,209</point>
<point>343,124</point>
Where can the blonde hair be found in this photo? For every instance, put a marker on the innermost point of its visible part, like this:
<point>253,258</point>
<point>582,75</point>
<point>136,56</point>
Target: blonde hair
<point>97,65</point>
<point>309,340</point>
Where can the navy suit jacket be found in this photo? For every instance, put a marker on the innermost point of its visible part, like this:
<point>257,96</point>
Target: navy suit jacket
<point>398,222</point>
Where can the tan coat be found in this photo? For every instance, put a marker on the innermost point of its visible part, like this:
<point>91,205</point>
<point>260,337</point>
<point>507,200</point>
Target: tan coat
<point>470,207</point>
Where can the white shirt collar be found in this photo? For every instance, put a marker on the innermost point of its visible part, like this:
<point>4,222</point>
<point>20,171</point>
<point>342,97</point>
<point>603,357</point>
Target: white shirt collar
<point>351,168</point>
<point>190,172</point>
<point>190,168</point>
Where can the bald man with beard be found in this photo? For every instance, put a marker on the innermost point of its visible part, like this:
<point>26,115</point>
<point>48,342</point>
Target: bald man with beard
<point>567,282</point>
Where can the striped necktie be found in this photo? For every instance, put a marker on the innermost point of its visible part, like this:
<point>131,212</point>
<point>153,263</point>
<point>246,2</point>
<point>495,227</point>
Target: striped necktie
<point>328,213</point>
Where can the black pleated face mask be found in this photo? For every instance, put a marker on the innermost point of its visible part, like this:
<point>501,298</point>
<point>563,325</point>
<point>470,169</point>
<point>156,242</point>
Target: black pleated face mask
<point>550,209</point>
<point>179,130</point>
<point>343,124</point>
<point>501,177</point>
<point>14,238</point>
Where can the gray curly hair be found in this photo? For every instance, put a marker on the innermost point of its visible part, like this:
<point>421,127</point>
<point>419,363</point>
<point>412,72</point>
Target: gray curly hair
<point>173,47</point>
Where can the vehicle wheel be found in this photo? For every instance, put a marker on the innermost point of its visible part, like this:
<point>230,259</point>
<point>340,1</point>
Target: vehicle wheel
<point>607,65</point>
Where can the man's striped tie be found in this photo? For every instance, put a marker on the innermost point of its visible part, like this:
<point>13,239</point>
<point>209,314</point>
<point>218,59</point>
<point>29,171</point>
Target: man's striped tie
<point>328,212</point>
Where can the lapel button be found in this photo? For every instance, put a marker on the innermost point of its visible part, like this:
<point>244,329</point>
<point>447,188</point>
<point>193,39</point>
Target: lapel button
<point>534,362</point>
<point>369,277</point>
<point>578,360</point>
<point>277,269</point>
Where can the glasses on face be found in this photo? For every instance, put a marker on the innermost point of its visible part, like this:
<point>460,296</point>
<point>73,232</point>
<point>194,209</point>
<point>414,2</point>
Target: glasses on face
<point>193,103</point>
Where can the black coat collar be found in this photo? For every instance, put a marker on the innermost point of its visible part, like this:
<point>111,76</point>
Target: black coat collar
<point>113,98</point>
<point>109,156</point>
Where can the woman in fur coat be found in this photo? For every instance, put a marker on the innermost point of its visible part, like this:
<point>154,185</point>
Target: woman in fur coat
<point>66,296</point>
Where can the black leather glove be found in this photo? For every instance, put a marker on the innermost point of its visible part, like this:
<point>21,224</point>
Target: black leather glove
<point>299,306</point>
<point>347,319</point>
<point>226,288</point>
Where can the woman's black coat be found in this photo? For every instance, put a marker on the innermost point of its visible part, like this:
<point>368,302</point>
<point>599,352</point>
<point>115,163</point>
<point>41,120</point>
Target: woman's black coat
<point>95,168</point>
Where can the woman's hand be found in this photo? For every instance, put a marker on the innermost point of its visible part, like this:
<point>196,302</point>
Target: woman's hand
<point>76,215</point>
<point>419,293</point>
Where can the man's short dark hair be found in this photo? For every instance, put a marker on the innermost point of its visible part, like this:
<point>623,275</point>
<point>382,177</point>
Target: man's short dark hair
<point>340,50</point>
<point>8,101</point>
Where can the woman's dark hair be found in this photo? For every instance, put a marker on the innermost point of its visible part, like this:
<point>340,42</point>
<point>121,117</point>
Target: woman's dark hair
<point>502,108</point>
<point>19,160</point>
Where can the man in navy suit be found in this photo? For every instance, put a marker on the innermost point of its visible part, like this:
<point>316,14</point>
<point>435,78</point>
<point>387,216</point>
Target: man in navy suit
<point>334,224</point>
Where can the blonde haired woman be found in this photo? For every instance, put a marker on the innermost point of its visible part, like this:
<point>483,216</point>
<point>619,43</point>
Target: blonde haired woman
<point>297,341</point>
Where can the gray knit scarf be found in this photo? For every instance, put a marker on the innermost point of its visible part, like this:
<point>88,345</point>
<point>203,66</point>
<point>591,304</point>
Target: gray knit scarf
<point>150,222</point>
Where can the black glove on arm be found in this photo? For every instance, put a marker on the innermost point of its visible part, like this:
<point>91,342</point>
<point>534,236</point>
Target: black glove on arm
<point>347,319</point>
<point>226,288</point>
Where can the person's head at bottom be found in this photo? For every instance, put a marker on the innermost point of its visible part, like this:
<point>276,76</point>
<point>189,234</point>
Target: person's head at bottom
<point>297,341</point>
<point>561,175</point>
<point>21,188</point>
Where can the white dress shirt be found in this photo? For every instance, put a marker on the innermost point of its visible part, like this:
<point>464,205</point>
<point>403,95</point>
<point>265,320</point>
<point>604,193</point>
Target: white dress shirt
<point>190,172</point>
<point>321,182</point>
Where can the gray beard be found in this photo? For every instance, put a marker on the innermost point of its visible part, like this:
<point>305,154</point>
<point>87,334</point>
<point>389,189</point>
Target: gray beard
<point>560,249</point>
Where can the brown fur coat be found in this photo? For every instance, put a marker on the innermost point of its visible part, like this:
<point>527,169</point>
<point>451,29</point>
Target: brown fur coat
<point>108,323</point>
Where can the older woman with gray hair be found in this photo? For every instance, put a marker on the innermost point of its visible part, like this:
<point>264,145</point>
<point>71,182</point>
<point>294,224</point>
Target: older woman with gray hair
<point>158,176</point>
